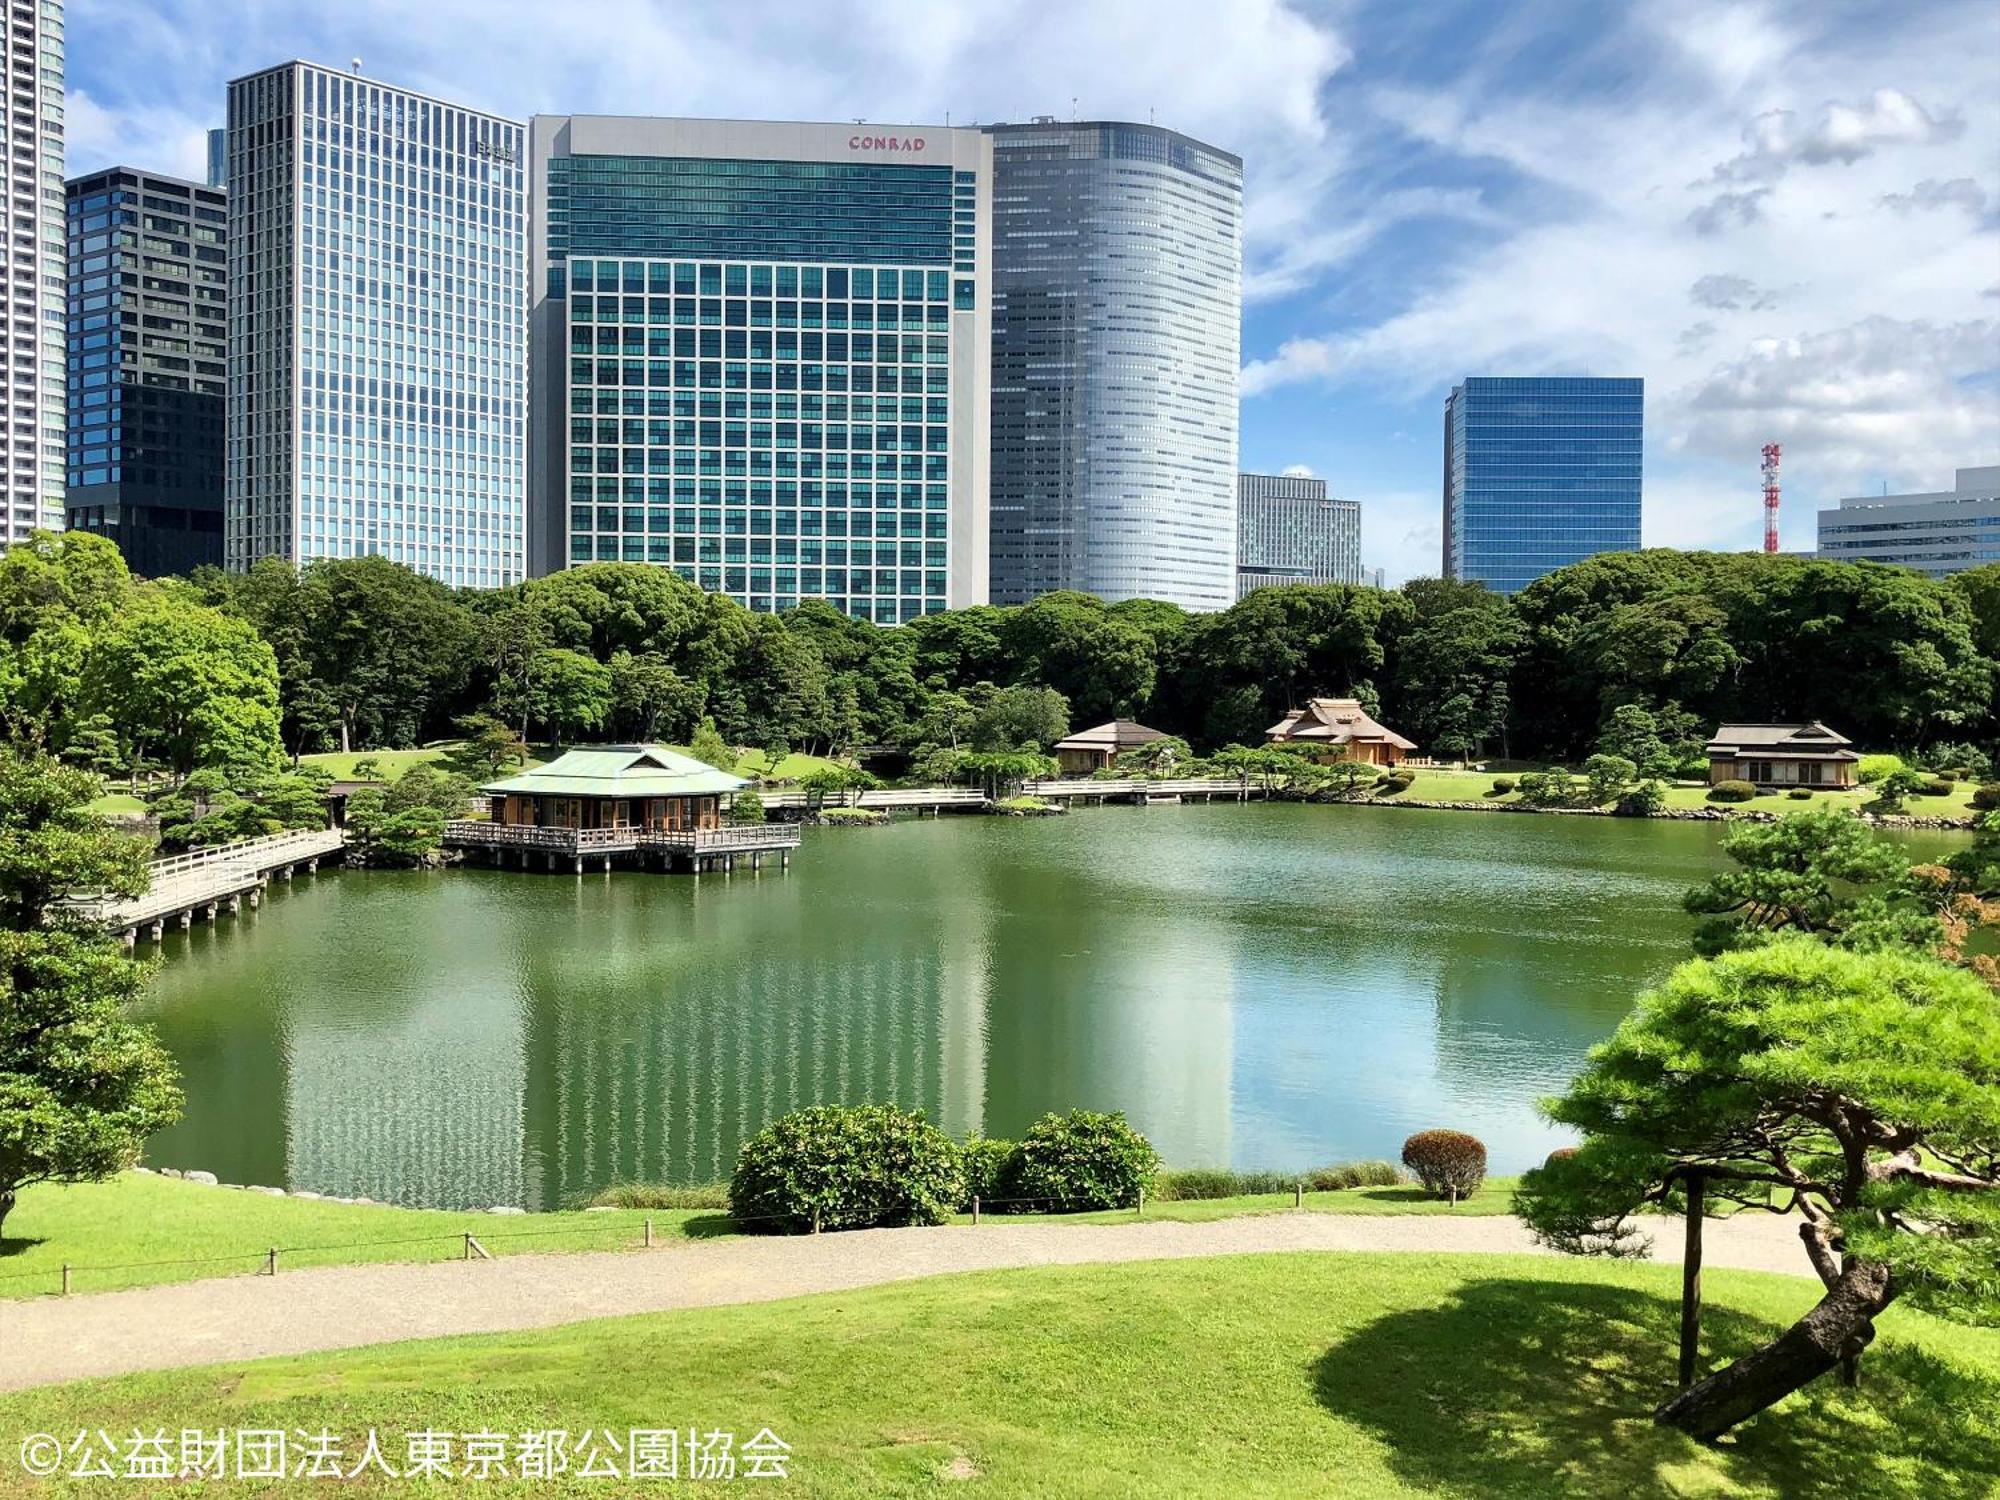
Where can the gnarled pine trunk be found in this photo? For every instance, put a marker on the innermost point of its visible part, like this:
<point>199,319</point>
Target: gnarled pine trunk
<point>6,1203</point>
<point>1841,1324</point>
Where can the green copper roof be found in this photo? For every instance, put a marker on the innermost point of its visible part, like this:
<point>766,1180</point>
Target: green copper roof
<point>620,771</point>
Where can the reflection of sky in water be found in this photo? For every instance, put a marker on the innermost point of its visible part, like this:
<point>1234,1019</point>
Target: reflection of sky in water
<point>1257,986</point>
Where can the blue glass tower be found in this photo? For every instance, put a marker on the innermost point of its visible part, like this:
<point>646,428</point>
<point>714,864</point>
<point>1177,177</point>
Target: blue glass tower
<point>1539,472</point>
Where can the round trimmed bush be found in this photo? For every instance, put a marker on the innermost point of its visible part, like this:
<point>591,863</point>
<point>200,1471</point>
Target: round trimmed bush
<point>1986,796</point>
<point>1449,1163</point>
<point>846,1167</point>
<point>1079,1161</point>
<point>1800,793</point>
<point>1502,785</point>
<point>1561,1153</point>
<point>1937,786</point>
<point>985,1162</point>
<point>1731,791</point>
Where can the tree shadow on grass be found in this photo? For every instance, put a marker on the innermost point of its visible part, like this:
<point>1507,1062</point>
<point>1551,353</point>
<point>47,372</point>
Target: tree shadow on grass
<point>1526,1388</point>
<point>16,1244</point>
<point>710,1227</point>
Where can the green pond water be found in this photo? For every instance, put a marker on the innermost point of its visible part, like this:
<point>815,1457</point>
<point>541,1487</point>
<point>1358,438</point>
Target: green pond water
<point>1255,986</point>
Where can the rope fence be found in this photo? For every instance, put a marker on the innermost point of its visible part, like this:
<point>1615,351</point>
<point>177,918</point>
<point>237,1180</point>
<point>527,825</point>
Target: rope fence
<point>471,1245</point>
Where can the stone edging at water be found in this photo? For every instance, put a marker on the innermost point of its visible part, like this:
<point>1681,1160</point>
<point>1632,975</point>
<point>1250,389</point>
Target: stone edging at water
<point>209,1179</point>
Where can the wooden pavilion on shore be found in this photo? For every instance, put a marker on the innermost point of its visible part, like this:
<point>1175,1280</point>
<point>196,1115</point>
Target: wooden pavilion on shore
<point>1095,749</point>
<point>1340,729</point>
<point>642,804</point>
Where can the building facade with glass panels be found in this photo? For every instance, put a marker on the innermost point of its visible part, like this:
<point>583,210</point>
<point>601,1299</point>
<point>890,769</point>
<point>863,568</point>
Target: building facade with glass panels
<point>1117,317</point>
<point>147,325</point>
<point>33,272</point>
<point>1539,472</point>
<point>1289,530</point>
<point>1939,533</point>
<point>377,384</point>
<point>761,358</point>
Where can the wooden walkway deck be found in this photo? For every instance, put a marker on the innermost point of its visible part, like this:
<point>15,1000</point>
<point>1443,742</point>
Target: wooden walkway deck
<point>689,849</point>
<point>206,882</point>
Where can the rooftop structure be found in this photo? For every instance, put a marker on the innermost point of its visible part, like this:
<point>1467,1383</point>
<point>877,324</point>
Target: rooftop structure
<point>1093,749</point>
<point>1341,726</point>
<point>1782,755</point>
<point>1946,531</point>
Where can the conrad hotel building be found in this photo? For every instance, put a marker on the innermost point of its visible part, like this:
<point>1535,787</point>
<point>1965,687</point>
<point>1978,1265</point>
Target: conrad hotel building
<point>761,357</point>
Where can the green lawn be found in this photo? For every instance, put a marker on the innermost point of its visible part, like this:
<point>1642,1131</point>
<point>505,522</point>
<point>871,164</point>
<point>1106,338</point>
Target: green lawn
<point>340,764</point>
<point>115,805</point>
<point>158,1229</point>
<point>1359,1376</point>
<point>1476,786</point>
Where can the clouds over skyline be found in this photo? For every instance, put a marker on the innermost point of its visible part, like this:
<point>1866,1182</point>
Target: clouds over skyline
<point>1780,214</point>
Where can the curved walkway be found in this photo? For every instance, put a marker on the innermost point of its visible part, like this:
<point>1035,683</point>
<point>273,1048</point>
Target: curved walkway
<point>339,1307</point>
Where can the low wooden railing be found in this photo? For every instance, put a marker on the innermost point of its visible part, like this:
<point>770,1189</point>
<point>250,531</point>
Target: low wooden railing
<point>751,836</point>
<point>621,840</point>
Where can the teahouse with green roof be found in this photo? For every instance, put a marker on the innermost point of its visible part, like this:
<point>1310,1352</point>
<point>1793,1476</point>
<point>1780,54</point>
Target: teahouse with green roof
<point>603,800</point>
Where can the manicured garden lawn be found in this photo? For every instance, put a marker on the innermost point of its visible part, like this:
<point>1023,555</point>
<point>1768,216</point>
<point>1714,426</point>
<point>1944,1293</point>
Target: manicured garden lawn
<point>115,805</point>
<point>394,762</point>
<point>183,1231</point>
<point>1359,1376</point>
<point>1476,786</point>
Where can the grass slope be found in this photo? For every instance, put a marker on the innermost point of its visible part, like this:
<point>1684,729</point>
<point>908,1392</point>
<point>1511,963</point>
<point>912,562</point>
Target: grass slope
<point>140,1230</point>
<point>1360,1376</point>
<point>1474,786</point>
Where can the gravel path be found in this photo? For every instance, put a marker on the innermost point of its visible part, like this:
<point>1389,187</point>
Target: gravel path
<point>338,1307</point>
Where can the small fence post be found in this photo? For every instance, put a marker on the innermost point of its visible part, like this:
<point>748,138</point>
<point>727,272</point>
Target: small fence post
<point>649,1231</point>
<point>468,1244</point>
<point>975,1210</point>
<point>1140,1207</point>
<point>1298,1195</point>
<point>815,1221</point>
<point>65,1290</point>
<point>271,1261</point>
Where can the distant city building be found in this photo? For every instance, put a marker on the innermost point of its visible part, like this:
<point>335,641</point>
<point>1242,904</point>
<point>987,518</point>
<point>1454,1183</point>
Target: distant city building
<point>762,357</point>
<point>148,320</point>
<point>1289,530</point>
<point>1117,310</point>
<point>1944,532</point>
<point>377,327</point>
<point>1539,472</point>
<point>1373,578</point>
<point>36,277</point>
<point>218,158</point>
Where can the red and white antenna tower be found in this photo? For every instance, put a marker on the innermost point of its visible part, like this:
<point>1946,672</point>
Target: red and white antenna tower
<point>1772,451</point>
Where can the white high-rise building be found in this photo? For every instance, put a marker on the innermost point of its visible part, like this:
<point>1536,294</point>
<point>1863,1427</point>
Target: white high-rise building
<point>378,312</point>
<point>1940,532</point>
<point>37,270</point>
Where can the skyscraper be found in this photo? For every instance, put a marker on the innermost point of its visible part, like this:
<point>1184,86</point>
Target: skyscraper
<point>147,324</point>
<point>761,357</point>
<point>1939,533</point>
<point>1289,530</point>
<point>36,274</point>
<point>1539,472</point>
<point>377,327</point>
<point>1117,312</point>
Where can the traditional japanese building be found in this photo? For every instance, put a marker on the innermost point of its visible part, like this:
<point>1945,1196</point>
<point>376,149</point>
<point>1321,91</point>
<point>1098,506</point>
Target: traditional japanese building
<point>1340,729</point>
<point>638,801</point>
<point>1094,749</point>
<point>1782,755</point>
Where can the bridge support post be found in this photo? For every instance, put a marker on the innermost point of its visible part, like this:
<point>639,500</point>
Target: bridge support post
<point>756,859</point>
<point>607,864</point>
<point>187,919</point>
<point>130,936</point>
<point>256,895</point>
<point>784,859</point>
<point>284,872</point>
<point>235,905</point>
<point>312,867</point>
<point>157,931</point>
<point>729,864</point>
<point>208,913</point>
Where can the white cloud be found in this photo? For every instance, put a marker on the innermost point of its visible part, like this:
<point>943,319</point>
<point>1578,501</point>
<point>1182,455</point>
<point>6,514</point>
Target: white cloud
<point>1844,133</point>
<point>1299,471</point>
<point>1931,195</point>
<point>1730,293</point>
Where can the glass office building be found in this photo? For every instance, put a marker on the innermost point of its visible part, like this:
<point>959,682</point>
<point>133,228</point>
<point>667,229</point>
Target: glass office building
<point>1939,533</point>
<point>1539,472</point>
<point>1117,315</point>
<point>1289,530</point>
<point>33,272</point>
<point>377,328</point>
<point>147,325</point>
<point>761,358</point>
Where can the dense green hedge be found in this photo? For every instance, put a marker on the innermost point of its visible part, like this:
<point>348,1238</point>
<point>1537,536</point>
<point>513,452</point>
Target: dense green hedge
<point>1079,1161</point>
<point>1731,791</point>
<point>846,1167</point>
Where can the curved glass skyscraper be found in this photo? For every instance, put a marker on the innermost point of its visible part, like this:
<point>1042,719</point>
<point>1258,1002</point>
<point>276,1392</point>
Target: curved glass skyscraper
<point>1117,311</point>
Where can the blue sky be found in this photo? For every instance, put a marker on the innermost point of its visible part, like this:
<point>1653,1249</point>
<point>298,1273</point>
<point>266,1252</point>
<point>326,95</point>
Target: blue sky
<point>1785,216</point>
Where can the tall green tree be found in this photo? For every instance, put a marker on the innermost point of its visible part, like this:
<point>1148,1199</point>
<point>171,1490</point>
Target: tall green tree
<point>1103,663</point>
<point>57,595</point>
<point>81,1085</point>
<point>1448,667</point>
<point>1016,718</point>
<point>1860,1091</point>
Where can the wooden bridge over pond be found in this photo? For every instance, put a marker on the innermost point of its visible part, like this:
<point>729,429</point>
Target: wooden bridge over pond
<point>205,883</point>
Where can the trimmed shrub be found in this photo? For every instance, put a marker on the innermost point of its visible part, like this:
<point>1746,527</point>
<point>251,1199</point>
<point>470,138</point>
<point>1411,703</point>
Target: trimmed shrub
<point>1986,797</point>
<point>1502,785</point>
<point>746,807</point>
<point>1561,1153</point>
<point>1352,1174</point>
<point>1872,768</point>
<point>1731,791</point>
<point>985,1162</point>
<point>1800,794</point>
<point>662,1195</point>
<point>846,1167</point>
<point>1937,786</point>
<point>855,817</point>
<point>1449,1163</point>
<point>1642,800</point>
<point>1079,1161</point>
